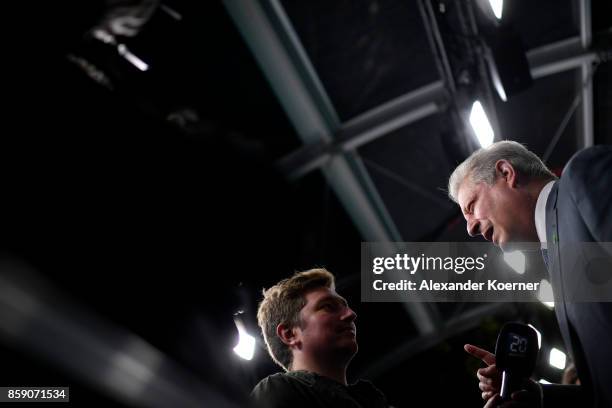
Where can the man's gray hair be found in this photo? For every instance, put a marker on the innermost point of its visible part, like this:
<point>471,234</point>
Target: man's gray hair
<point>480,166</point>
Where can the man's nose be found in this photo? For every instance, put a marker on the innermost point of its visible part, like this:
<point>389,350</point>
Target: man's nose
<point>473,228</point>
<point>349,314</point>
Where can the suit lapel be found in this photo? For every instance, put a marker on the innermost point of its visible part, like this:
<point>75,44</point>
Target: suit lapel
<point>554,263</point>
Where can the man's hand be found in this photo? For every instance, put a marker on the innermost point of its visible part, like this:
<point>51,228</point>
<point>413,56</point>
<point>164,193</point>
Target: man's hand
<point>489,377</point>
<point>490,384</point>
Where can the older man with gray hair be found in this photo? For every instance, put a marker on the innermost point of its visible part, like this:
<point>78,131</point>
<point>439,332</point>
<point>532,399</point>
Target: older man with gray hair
<point>497,189</point>
<point>507,195</point>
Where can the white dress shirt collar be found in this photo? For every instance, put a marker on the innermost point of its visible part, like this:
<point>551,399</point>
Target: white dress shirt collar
<point>540,211</point>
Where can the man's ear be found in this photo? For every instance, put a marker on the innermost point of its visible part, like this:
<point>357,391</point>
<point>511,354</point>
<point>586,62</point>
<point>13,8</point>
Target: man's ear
<point>504,169</point>
<point>287,334</point>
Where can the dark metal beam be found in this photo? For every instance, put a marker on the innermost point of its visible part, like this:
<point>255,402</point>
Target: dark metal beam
<point>367,127</point>
<point>268,32</point>
<point>558,57</point>
<point>585,84</point>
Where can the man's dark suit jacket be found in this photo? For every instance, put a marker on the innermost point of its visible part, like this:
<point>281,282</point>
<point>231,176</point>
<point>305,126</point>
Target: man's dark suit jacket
<point>578,210</point>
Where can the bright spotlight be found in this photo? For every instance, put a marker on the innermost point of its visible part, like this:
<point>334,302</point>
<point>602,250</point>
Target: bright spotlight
<point>480,124</point>
<point>497,6</point>
<point>246,343</point>
<point>557,358</point>
<point>516,259</point>
<point>131,58</point>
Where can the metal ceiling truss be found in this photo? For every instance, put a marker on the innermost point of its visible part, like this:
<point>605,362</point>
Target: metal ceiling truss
<point>559,57</point>
<point>543,61</point>
<point>367,127</point>
<point>585,82</point>
<point>276,47</point>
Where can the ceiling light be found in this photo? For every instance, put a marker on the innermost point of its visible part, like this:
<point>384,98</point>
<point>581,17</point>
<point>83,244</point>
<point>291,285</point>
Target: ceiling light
<point>557,358</point>
<point>480,124</point>
<point>246,343</point>
<point>498,7</point>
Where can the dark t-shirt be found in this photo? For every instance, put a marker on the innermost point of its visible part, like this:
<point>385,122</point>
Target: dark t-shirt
<point>297,389</point>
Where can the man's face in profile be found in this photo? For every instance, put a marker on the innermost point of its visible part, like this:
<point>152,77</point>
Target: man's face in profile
<point>327,324</point>
<point>501,213</point>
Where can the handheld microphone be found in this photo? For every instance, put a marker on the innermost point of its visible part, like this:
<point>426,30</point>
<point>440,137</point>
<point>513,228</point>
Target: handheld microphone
<point>516,352</point>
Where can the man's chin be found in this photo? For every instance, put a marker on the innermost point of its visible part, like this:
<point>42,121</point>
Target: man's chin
<point>352,347</point>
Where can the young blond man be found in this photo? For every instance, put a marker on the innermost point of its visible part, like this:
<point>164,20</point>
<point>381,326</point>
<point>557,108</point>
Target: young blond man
<point>310,332</point>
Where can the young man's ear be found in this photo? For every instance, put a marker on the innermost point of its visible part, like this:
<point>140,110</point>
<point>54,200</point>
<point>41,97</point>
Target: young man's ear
<point>286,334</point>
<point>504,169</point>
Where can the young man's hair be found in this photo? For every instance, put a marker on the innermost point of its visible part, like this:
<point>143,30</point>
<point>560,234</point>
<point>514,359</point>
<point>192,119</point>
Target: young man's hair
<point>480,166</point>
<point>282,304</point>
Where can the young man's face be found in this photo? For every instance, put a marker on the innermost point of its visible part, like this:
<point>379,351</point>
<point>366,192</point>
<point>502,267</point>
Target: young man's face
<point>499,212</point>
<point>327,325</point>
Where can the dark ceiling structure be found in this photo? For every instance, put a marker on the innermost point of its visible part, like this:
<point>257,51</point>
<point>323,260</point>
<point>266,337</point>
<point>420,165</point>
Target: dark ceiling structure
<point>164,161</point>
